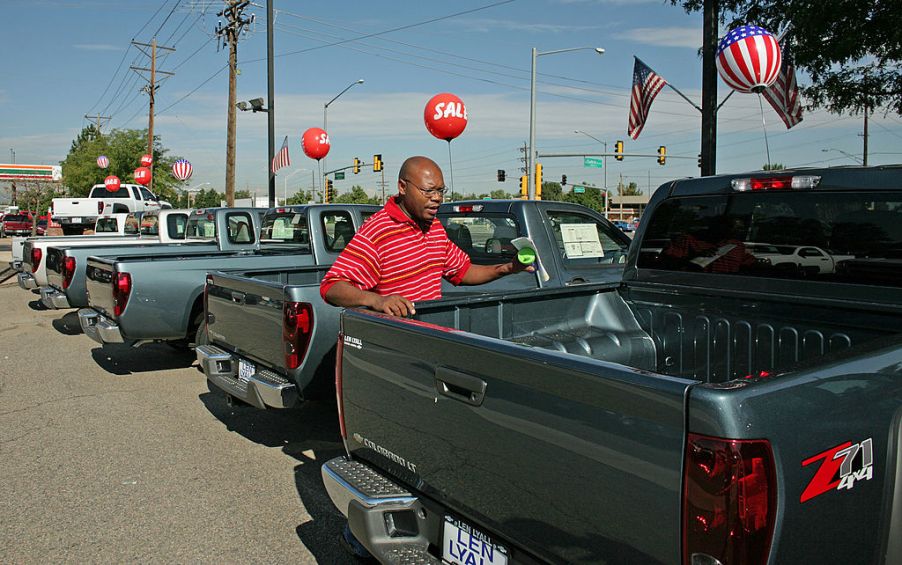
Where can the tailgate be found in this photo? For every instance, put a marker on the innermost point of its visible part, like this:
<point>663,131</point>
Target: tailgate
<point>55,257</point>
<point>245,317</point>
<point>99,276</point>
<point>576,459</point>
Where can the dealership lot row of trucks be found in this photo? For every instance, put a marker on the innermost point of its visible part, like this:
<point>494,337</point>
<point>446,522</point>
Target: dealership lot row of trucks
<point>687,396</point>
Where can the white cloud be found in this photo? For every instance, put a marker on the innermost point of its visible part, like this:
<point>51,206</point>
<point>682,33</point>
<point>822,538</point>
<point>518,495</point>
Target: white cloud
<point>97,47</point>
<point>664,36</point>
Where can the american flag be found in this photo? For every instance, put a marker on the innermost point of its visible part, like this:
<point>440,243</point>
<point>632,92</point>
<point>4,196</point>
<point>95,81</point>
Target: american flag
<point>646,85</point>
<point>783,95</point>
<point>281,159</point>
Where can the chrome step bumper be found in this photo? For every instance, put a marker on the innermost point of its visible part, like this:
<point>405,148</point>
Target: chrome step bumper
<point>262,389</point>
<point>98,327</point>
<point>26,280</point>
<point>387,519</point>
<point>53,298</point>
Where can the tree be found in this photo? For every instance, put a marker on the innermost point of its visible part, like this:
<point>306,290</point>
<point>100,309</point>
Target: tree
<point>37,197</point>
<point>499,194</point>
<point>632,189</point>
<point>208,199</point>
<point>591,198</point>
<point>300,197</point>
<point>124,149</point>
<point>243,194</point>
<point>552,191</point>
<point>356,196</point>
<point>772,167</point>
<point>850,49</point>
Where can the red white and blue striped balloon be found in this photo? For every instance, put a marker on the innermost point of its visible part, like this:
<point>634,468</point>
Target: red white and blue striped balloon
<point>749,59</point>
<point>103,162</point>
<point>182,169</point>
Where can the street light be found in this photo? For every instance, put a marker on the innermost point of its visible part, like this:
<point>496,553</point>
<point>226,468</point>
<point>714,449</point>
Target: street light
<point>326,109</point>
<point>859,160</point>
<point>604,166</point>
<point>531,157</point>
<point>285,185</point>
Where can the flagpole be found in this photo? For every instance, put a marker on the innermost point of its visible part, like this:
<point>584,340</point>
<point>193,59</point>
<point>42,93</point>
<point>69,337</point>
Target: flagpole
<point>764,127</point>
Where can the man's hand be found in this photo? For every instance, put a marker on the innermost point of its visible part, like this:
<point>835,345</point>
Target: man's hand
<point>395,305</point>
<point>517,266</point>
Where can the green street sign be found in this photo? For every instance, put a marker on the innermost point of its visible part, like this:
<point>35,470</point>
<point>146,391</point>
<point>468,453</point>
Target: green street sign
<point>579,189</point>
<point>340,175</point>
<point>593,162</point>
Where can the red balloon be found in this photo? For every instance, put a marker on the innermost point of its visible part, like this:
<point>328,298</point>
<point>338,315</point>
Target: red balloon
<point>142,176</point>
<point>315,143</point>
<point>146,160</point>
<point>112,183</point>
<point>445,116</point>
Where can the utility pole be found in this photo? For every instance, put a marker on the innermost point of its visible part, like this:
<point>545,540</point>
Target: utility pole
<point>229,33</point>
<point>864,153</point>
<point>709,89</point>
<point>151,88</point>
<point>271,107</point>
<point>98,118</point>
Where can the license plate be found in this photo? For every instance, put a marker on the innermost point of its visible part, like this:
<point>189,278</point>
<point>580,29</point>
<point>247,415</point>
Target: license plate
<point>245,370</point>
<point>465,545</point>
<point>75,220</point>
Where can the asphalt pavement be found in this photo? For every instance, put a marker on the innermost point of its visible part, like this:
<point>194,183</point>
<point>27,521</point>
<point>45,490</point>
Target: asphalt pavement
<point>120,454</point>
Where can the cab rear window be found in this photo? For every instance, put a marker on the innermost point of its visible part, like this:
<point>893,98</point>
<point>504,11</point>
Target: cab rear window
<point>486,238</point>
<point>285,227</point>
<point>200,227</point>
<point>850,237</point>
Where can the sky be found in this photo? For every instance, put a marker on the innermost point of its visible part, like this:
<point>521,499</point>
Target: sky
<point>67,59</point>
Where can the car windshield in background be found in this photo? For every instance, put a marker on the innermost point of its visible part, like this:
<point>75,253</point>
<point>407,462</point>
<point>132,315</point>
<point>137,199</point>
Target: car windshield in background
<point>285,227</point>
<point>849,237</point>
<point>486,238</point>
<point>102,192</point>
<point>200,227</point>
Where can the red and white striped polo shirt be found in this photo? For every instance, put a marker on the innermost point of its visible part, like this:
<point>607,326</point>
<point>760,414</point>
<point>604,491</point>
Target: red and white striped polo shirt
<point>390,254</point>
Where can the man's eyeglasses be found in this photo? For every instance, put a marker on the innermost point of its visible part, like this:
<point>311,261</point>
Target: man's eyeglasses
<point>429,193</point>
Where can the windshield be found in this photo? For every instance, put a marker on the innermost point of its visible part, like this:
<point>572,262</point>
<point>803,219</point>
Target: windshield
<point>852,237</point>
<point>15,218</point>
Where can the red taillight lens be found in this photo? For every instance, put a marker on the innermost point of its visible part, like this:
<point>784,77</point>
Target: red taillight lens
<point>774,183</point>
<point>729,500</point>
<point>122,287</point>
<point>297,325</point>
<point>100,207</point>
<point>68,271</point>
<point>36,255</point>
<point>339,349</point>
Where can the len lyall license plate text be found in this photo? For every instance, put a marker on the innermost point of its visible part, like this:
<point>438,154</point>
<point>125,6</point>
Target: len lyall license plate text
<point>245,370</point>
<point>464,545</point>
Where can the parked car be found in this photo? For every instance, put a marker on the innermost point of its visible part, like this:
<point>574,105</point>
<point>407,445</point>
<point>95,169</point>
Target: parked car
<point>19,223</point>
<point>78,214</point>
<point>624,225</point>
<point>734,414</point>
<point>246,357</point>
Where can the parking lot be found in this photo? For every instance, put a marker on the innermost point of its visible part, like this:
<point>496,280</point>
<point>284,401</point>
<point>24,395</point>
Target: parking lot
<point>123,455</point>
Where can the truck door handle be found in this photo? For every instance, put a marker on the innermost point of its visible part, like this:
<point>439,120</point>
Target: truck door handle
<point>238,297</point>
<point>576,280</point>
<point>459,386</point>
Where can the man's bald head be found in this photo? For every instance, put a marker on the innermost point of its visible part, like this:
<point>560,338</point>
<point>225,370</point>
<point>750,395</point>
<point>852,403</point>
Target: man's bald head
<point>413,166</point>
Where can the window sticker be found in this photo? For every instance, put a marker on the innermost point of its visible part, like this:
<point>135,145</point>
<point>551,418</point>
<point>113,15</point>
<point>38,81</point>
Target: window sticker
<point>581,241</point>
<point>281,229</point>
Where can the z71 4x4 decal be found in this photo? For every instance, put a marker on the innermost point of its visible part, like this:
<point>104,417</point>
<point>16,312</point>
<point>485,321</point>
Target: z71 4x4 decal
<point>840,468</point>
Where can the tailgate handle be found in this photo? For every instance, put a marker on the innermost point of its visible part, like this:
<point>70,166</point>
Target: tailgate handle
<point>238,297</point>
<point>459,386</point>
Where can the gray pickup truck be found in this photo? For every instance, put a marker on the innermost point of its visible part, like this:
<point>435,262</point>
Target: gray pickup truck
<point>160,297</point>
<point>249,359</point>
<point>170,231</point>
<point>711,408</point>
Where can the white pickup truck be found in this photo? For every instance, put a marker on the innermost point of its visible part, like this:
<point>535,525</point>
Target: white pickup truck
<point>164,226</point>
<point>110,225</point>
<point>77,214</point>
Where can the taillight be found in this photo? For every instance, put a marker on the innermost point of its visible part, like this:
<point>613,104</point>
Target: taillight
<point>100,207</point>
<point>68,271</point>
<point>36,255</point>
<point>122,287</point>
<point>339,398</point>
<point>729,501</point>
<point>207,284</point>
<point>467,208</point>
<point>776,183</point>
<point>297,325</point>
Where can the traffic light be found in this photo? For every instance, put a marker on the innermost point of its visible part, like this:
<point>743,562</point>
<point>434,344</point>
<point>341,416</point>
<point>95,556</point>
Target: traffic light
<point>356,165</point>
<point>563,180</point>
<point>618,150</point>
<point>501,175</point>
<point>662,155</point>
<point>330,192</point>
<point>377,163</point>
<point>538,181</point>
<point>524,187</point>
<point>699,160</point>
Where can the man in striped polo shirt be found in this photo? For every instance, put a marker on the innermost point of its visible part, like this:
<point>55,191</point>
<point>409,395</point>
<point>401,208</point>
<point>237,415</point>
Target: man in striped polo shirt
<point>400,255</point>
